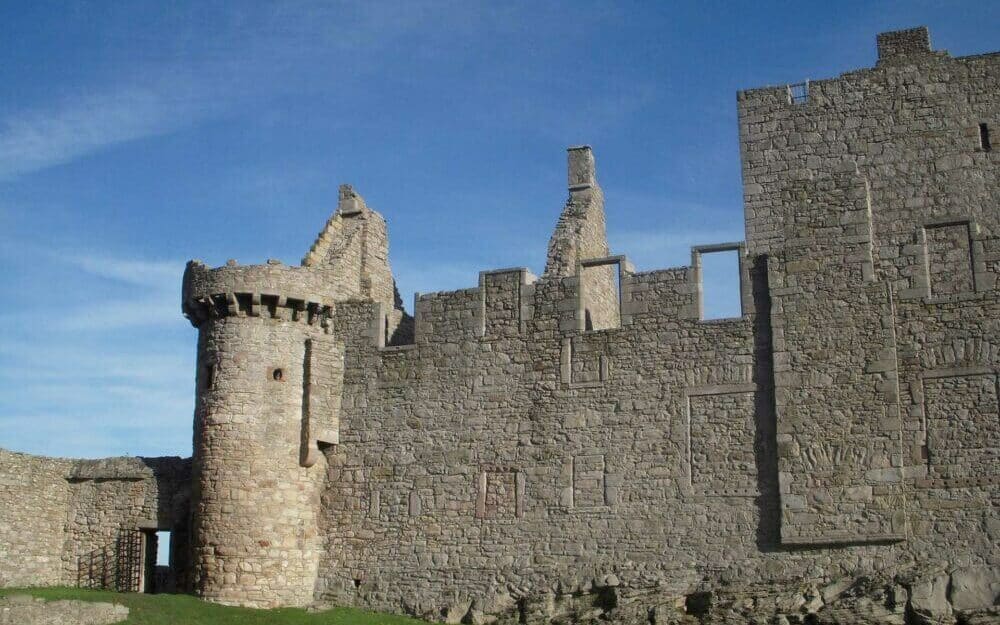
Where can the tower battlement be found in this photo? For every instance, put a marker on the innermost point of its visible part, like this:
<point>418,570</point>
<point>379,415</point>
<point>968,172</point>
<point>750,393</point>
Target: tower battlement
<point>272,290</point>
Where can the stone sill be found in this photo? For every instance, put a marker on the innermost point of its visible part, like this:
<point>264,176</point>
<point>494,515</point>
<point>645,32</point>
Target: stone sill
<point>725,320</point>
<point>959,297</point>
<point>397,348</point>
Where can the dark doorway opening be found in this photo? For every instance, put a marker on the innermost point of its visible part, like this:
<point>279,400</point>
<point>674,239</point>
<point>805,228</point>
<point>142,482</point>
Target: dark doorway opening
<point>157,571</point>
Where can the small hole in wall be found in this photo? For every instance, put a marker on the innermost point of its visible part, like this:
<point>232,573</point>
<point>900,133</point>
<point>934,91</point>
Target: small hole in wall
<point>210,376</point>
<point>698,603</point>
<point>278,375</point>
<point>357,582</point>
<point>984,138</point>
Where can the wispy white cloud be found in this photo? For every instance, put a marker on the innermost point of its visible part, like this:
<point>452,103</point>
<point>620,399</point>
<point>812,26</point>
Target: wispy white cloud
<point>56,133</point>
<point>70,435</point>
<point>255,57</point>
<point>153,303</point>
<point>157,275</point>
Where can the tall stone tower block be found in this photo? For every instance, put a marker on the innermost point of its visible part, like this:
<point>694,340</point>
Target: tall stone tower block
<point>269,380</point>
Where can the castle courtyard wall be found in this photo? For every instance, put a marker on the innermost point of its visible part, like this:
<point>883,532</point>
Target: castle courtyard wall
<point>67,522</point>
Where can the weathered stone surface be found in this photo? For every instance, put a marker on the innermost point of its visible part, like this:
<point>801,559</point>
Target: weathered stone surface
<point>27,610</point>
<point>975,588</point>
<point>929,601</point>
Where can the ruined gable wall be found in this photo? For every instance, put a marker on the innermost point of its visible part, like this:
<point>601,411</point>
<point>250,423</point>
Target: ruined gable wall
<point>509,459</point>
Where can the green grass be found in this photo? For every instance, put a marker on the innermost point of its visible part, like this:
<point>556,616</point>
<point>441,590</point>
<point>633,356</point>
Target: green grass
<point>188,610</point>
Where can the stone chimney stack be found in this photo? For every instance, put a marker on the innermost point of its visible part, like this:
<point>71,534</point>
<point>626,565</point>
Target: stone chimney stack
<point>581,172</point>
<point>902,43</point>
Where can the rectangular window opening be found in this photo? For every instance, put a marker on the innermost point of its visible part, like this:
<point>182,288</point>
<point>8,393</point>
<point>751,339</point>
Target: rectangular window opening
<point>162,548</point>
<point>798,93</point>
<point>984,138</point>
<point>720,285</point>
<point>600,294</point>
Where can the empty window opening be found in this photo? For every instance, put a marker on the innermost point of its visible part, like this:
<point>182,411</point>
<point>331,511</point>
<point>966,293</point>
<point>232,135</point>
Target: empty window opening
<point>798,93</point>
<point>278,375</point>
<point>397,329</point>
<point>600,293</point>
<point>984,138</point>
<point>720,285</point>
<point>162,548</point>
<point>357,582</point>
<point>210,376</point>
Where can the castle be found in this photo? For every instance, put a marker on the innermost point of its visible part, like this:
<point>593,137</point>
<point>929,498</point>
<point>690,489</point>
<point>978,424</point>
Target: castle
<point>583,444</point>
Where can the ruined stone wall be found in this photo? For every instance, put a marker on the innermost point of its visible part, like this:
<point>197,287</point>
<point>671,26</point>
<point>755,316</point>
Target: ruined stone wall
<point>500,458</point>
<point>511,462</point>
<point>63,522</point>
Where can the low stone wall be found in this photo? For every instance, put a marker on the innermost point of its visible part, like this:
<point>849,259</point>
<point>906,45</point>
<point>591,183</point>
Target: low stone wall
<point>28,610</point>
<point>66,522</point>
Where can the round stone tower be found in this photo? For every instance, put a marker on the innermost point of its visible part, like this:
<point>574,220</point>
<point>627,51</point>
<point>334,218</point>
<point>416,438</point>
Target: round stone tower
<point>269,381</point>
<point>255,504</point>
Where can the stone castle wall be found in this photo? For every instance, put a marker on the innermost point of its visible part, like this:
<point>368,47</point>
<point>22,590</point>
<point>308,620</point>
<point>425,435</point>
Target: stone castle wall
<point>584,444</point>
<point>255,518</point>
<point>846,425</point>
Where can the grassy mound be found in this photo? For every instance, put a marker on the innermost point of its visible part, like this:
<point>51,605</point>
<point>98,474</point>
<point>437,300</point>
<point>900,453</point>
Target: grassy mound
<point>177,609</point>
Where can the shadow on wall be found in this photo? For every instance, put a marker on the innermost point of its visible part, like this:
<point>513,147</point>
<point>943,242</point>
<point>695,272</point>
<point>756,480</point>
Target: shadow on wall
<point>765,438</point>
<point>116,567</point>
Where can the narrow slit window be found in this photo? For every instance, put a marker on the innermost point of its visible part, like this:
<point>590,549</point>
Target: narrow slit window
<point>720,285</point>
<point>984,138</point>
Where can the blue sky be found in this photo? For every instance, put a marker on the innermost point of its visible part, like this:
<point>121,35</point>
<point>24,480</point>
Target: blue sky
<point>134,136</point>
